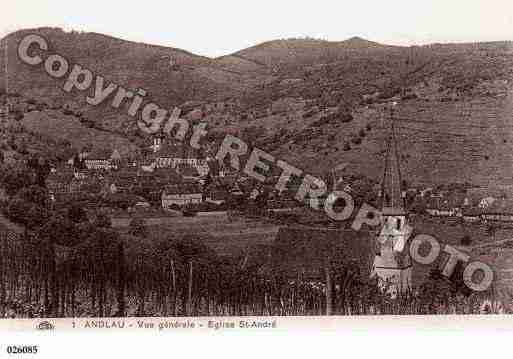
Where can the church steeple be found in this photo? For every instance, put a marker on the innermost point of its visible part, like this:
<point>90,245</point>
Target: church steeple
<point>392,201</point>
<point>392,264</point>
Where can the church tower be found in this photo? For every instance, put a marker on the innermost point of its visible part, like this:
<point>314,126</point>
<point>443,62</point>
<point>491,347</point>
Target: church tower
<point>392,264</point>
<point>4,112</point>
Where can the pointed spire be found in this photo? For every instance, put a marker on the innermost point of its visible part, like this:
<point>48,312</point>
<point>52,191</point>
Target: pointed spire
<point>7,109</point>
<point>6,65</point>
<point>391,185</point>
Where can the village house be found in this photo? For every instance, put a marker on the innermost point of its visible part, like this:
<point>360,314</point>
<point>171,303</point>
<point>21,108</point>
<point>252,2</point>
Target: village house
<point>236,190</point>
<point>99,160</point>
<point>154,178</point>
<point>442,212</point>
<point>181,194</point>
<point>173,155</point>
<point>156,143</point>
<point>199,163</point>
<point>471,214</point>
<point>499,211</point>
<point>446,204</point>
<point>487,202</point>
<point>60,189</point>
<point>59,181</point>
<point>116,158</point>
<point>124,180</point>
<point>164,157</point>
<point>86,173</point>
<point>217,196</point>
<point>187,171</point>
<point>153,183</point>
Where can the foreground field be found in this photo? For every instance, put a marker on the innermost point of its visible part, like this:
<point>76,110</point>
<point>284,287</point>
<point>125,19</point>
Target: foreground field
<point>236,237</point>
<point>199,266</point>
<point>226,236</point>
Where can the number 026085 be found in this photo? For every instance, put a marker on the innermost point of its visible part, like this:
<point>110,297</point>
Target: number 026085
<point>22,349</point>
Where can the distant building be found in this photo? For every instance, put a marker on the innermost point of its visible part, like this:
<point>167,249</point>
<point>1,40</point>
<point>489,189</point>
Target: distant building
<point>125,180</point>
<point>165,155</point>
<point>115,157</point>
<point>59,182</point>
<point>200,164</point>
<point>187,171</point>
<point>99,160</point>
<point>448,206</point>
<point>175,155</point>
<point>217,196</point>
<point>181,194</point>
<point>441,212</point>
<point>499,211</point>
<point>156,144</point>
<point>471,214</point>
<point>486,202</point>
<point>236,190</point>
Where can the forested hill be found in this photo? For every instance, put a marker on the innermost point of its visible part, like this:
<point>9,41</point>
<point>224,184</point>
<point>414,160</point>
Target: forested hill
<point>302,99</point>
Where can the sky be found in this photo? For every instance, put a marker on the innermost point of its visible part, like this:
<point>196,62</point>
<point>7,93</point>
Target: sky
<point>220,27</point>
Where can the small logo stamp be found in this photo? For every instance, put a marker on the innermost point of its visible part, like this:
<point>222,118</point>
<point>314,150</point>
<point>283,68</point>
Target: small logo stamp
<point>45,325</point>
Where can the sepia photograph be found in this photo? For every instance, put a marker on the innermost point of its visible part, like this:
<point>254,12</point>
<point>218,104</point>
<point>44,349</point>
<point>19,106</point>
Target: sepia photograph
<point>253,165</point>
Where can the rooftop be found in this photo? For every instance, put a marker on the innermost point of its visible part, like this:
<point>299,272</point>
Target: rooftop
<point>182,188</point>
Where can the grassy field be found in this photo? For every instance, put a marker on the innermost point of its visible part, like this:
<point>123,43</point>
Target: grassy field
<point>226,236</point>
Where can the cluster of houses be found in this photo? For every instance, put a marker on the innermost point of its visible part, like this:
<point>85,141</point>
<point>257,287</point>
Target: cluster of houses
<point>180,195</point>
<point>170,175</point>
<point>167,175</point>
<point>472,205</point>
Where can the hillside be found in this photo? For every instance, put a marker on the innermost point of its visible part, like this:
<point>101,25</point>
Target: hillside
<point>277,53</point>
<point>454,112</point>
<point>303,100</point>
<point>171,76</point>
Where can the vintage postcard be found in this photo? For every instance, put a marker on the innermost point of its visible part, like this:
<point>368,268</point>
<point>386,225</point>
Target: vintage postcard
<point>209,166</point>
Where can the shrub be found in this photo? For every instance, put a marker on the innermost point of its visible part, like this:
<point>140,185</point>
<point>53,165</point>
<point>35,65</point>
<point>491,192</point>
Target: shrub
<point>345,116</point>
<point>41,107</point>
<point>18,115</point>
<point>389,92</point>
<point>137,227</point>
<point>76,213</point>
<point>67,112</point>
<point>356,140</point>
<point>410,96</point>
<point>103,220</point>
<point>466,240</point>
